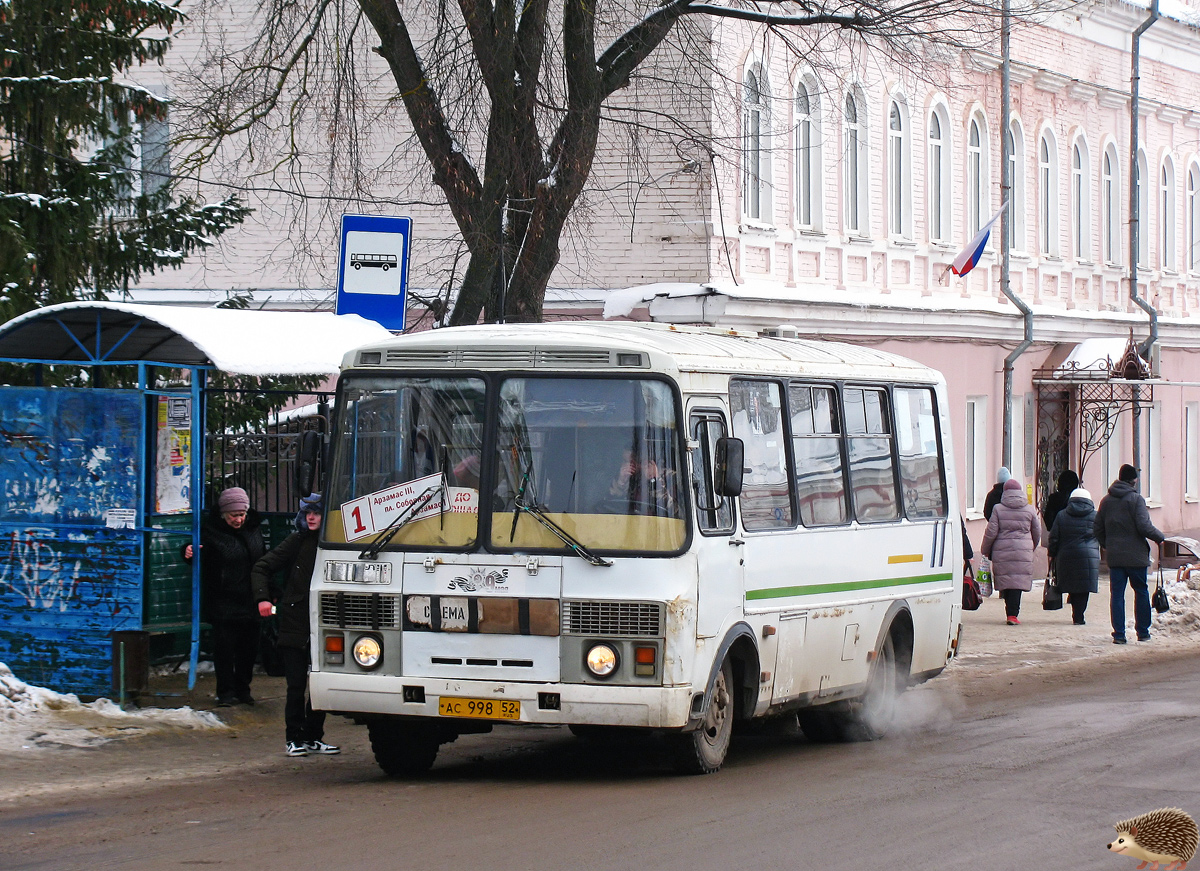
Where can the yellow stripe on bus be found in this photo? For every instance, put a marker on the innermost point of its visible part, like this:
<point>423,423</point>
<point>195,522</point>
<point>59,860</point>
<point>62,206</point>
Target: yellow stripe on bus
<point>906,558</point>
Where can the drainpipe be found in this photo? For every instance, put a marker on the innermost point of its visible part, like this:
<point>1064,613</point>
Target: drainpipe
<point>1006,183</point>
<point>1135,219</point>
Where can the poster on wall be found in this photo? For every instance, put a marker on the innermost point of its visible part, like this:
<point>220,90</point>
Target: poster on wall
<point>173,459</point>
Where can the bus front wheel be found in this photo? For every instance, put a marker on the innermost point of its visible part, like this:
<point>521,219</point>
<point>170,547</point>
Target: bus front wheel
<point>703,750</point>
<point>403,748</point>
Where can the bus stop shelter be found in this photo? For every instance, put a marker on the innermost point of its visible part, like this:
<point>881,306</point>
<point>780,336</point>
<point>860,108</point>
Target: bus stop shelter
<point>100,486</point>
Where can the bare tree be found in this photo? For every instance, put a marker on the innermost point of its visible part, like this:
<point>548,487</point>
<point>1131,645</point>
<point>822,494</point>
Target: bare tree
<point>507,102</point>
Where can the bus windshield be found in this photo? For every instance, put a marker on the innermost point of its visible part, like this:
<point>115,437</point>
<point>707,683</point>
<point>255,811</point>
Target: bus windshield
<point>599,457</point>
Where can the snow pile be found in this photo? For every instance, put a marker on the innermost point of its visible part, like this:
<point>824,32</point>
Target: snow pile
<point>33,716</point>
<point>1184,616</point>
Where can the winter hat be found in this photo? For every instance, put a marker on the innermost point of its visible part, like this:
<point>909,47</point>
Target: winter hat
<point>1080,493</point>
<point>312,502</point>
<point>1128,474</point>
<point>1002,475</point>
<point>233,499</point>
<point>1067,480</point>
<point>1012,484</point>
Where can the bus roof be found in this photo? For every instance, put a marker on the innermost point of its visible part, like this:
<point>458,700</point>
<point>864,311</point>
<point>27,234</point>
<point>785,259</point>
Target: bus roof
<point>591,345</point>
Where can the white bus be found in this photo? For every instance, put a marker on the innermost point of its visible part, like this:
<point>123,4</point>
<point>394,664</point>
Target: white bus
<point>631,526</point>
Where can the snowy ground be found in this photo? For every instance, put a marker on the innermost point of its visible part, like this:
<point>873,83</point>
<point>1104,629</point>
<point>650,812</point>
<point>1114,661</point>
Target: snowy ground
<point>33,718</point>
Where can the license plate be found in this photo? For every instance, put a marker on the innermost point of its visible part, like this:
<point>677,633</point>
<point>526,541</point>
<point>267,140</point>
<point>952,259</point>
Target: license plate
<point>481,709</point>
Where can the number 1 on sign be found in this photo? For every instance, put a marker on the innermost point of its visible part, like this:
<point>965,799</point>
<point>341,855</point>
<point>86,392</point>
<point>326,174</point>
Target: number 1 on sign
<point>359,526</point>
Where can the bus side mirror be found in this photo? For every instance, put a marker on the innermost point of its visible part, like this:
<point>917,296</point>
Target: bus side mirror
<point>729,459</point>
<point>306,461</point>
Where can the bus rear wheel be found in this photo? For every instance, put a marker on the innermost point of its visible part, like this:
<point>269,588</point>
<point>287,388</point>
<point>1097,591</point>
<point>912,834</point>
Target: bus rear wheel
<point>403,748</point>
<point>871,716</point>
<point>703,750</point>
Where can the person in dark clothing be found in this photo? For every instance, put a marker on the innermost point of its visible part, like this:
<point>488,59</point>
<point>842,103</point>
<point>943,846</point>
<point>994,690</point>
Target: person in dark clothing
<point>1075,551</point>
<point>996,493</point>
<point>231,541</point>
<point>304,727</point>
<point>1068,482</point>
<point>1122,526</point>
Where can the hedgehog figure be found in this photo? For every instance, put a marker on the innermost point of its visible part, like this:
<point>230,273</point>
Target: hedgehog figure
<point>1166,835</point>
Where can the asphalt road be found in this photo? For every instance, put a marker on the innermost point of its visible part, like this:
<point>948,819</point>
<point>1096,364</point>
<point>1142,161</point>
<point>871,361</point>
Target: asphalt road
<point>1011,770</point>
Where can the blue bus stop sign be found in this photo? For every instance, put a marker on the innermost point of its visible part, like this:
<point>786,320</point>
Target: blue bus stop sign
<point>373,268</point>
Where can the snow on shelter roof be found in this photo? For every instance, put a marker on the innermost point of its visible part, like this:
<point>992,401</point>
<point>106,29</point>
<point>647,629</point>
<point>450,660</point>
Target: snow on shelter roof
<point>232,340</point>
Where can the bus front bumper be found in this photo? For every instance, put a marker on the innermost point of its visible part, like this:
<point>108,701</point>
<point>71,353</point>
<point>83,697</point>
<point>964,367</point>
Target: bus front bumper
<point>590,704</point>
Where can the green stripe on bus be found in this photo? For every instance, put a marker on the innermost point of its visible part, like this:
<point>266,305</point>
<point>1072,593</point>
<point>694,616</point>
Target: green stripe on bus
<point>815,589</point>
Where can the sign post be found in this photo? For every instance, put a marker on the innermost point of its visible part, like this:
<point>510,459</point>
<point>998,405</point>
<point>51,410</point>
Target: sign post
<point>373,268</point>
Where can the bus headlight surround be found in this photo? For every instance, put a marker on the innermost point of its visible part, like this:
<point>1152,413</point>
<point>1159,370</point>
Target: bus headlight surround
<point>601,660</point>
<point>368,651</point>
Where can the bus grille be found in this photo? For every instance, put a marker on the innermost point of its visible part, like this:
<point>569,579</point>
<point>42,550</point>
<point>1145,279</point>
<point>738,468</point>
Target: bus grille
<point>360,610</point>
<point>612,618</point>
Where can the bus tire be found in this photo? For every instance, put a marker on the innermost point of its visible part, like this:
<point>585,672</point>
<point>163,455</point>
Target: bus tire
<point>403,748</point>
<point>818,726</point>
<point>703,750</point>
<point>871,715</point>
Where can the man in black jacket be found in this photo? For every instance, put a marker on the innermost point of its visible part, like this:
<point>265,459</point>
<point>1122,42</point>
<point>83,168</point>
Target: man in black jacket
<point>1122,527</point>
<point>297,555</point>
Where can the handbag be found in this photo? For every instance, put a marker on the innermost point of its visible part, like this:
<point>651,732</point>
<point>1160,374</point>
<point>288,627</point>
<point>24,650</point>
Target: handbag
<point>1159,600</point>
<point>972,597</point>
<point>985,577</point>
<point>1052,599</point>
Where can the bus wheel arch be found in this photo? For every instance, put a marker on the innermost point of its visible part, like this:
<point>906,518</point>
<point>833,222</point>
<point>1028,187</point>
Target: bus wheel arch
<point>872,715</point>
<point>730,695</point>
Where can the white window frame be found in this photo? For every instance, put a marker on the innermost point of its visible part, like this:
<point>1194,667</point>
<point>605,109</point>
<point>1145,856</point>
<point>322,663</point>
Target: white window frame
<point>899,170</point>
<point>1047,195</point>
<point>1166,216</point>
<point>1151,470</point>
<point>976,175</point>
<point>1081,195</point>
<point>975,456</point>
<point>1192,258</point>
<point>855,175</point>
<point>809,174</point>
<point>756,145</point>
<point>1110,207</point>
<point>1143,207</point>
<point>1016,205</point>
<point>938,175</point>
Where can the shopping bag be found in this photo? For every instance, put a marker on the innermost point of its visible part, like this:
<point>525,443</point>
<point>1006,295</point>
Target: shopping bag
<point>985,577</point>
<point>1052,599</point>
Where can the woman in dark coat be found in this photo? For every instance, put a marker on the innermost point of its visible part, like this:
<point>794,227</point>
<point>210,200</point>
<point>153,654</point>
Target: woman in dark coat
<point>1068,482</point>
<point>231,543</point>
<point>1012,534</point>
<point>1075,551</point>
<point>297,555</point>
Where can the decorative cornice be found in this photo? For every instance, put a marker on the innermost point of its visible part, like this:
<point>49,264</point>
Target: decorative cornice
<point>982,61</point>
<point>1170,114</point>
<point>1111,99</point>
<point>1082,91</point>
<point>1192,119</point>
<point>1054,83</point>
<point>1019,73</point>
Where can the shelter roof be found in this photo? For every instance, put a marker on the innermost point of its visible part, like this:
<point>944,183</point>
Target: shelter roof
<point>232,340</point>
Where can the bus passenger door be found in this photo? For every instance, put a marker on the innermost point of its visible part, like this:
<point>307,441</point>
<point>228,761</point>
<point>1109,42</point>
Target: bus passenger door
<point>718,552</point>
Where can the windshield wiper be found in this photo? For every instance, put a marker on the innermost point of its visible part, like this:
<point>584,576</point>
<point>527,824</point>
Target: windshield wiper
<point>388,532</point>
<point>565,537</point>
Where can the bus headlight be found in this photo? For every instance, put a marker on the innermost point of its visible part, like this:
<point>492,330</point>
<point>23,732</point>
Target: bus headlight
<point>601,660</point>
<point>367,651</point>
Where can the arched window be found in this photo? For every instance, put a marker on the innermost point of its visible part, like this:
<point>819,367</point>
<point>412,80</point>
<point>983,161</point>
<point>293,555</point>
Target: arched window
<point>856,166</point>
<point>1047,196</point>
<point>808,158</point>
<point>976,178</point>
<point>1110,214</point>
<point>1166,215</point>
<point>1016,198</point>
<point>756,148</point>
<point>1081,219</point>
<point>937,178</point>
<point>1193,219</point>
<point>899,173</point>
<point>1142,180</point>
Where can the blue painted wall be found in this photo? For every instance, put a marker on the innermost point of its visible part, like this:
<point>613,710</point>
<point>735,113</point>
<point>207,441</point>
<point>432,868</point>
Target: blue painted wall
<point>66,581</point>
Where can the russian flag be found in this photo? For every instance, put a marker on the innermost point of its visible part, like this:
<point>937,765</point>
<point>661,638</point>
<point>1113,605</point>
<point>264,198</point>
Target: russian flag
<point>968,258</point>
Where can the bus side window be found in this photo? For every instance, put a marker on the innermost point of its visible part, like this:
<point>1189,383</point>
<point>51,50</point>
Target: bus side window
<point>714,514</point>
<point>817,448</point>
<point>869,443</point>
<point>922,481</point>
<point>758,420</point>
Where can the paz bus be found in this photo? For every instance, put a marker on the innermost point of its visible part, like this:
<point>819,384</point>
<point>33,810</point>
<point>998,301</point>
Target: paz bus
<point>615,526</point>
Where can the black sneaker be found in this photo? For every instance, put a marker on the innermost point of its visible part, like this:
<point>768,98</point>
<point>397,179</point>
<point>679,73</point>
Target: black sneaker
<point>226,701</point>
<point>1145,637</point>
<point>247,699</point>
<point>320,748</point>
<point>1118,639</point>
<point>295,748</point>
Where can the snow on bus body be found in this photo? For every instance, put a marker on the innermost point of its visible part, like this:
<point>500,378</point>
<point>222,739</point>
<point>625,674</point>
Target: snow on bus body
<point>811,596</point>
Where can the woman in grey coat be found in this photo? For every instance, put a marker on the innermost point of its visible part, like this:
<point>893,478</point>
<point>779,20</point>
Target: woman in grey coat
<point>1013,532</point>
<point>1075,551</point>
